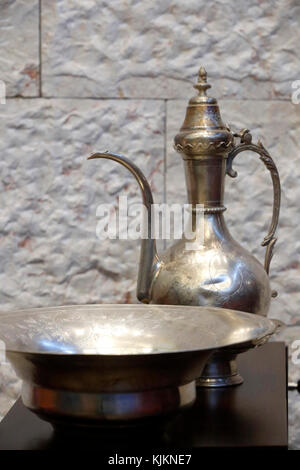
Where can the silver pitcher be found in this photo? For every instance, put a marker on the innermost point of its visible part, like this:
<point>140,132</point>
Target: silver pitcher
<point>219,271</point>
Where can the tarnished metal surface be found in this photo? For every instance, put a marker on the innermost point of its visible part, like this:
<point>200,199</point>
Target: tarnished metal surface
<point>127,330</point>
<point>218,272</point>
<point>106,357</point>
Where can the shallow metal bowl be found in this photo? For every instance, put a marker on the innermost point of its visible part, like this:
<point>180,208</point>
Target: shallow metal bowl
<point>90,364</point>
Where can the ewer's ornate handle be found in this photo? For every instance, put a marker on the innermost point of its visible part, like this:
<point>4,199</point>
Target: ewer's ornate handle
<point>246,144</point>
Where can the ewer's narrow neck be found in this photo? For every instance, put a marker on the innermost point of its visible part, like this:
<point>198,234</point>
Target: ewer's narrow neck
<point>204,142</point>
<point>205,182</point>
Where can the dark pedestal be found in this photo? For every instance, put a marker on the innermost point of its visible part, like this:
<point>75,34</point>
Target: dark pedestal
<point>252,415</point>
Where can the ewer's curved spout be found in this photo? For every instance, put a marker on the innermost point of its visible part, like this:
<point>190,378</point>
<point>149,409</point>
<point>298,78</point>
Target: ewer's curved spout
<point>149,260</point>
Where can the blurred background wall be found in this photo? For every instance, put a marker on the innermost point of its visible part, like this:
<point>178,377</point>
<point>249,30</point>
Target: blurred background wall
<point>117,74</point>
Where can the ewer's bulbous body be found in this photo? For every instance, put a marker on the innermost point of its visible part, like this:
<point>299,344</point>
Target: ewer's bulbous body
<point>219,273</point>
<point>211,269</point>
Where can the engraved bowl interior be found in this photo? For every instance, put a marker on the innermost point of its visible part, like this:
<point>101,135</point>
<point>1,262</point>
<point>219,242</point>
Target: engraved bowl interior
<point>93,364</point>
<point>122,329</point>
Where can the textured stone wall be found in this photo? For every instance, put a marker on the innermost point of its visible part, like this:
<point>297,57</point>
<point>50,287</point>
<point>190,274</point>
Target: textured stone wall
<point>84,76</point>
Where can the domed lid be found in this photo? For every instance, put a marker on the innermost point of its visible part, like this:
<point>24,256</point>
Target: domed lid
<point>203,131</point>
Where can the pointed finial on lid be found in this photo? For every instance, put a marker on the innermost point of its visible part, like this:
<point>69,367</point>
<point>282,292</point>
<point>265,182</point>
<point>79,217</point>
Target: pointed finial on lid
<point>202,74</point>
<point>202,84</point>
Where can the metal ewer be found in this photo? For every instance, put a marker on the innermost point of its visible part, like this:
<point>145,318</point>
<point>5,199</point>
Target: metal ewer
<point>221,272</point>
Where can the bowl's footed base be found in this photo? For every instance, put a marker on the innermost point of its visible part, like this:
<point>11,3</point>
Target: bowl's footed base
<point>66,409</point>
<point>220,371</point>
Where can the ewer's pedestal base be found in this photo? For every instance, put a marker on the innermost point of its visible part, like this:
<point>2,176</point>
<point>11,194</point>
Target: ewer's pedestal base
<point>220,371</point>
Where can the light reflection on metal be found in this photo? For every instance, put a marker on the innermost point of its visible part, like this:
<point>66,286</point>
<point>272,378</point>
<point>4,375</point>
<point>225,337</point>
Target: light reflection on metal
<point>190,277</point>
<point>99,363</point>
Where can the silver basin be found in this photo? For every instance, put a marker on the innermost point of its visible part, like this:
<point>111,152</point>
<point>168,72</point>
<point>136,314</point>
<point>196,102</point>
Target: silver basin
<point>93,364</point>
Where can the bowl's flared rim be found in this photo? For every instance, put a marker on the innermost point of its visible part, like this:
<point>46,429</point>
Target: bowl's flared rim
<point>271,326</point>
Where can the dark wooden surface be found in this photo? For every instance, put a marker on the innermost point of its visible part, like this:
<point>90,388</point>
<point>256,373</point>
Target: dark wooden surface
<point>250,415</point>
